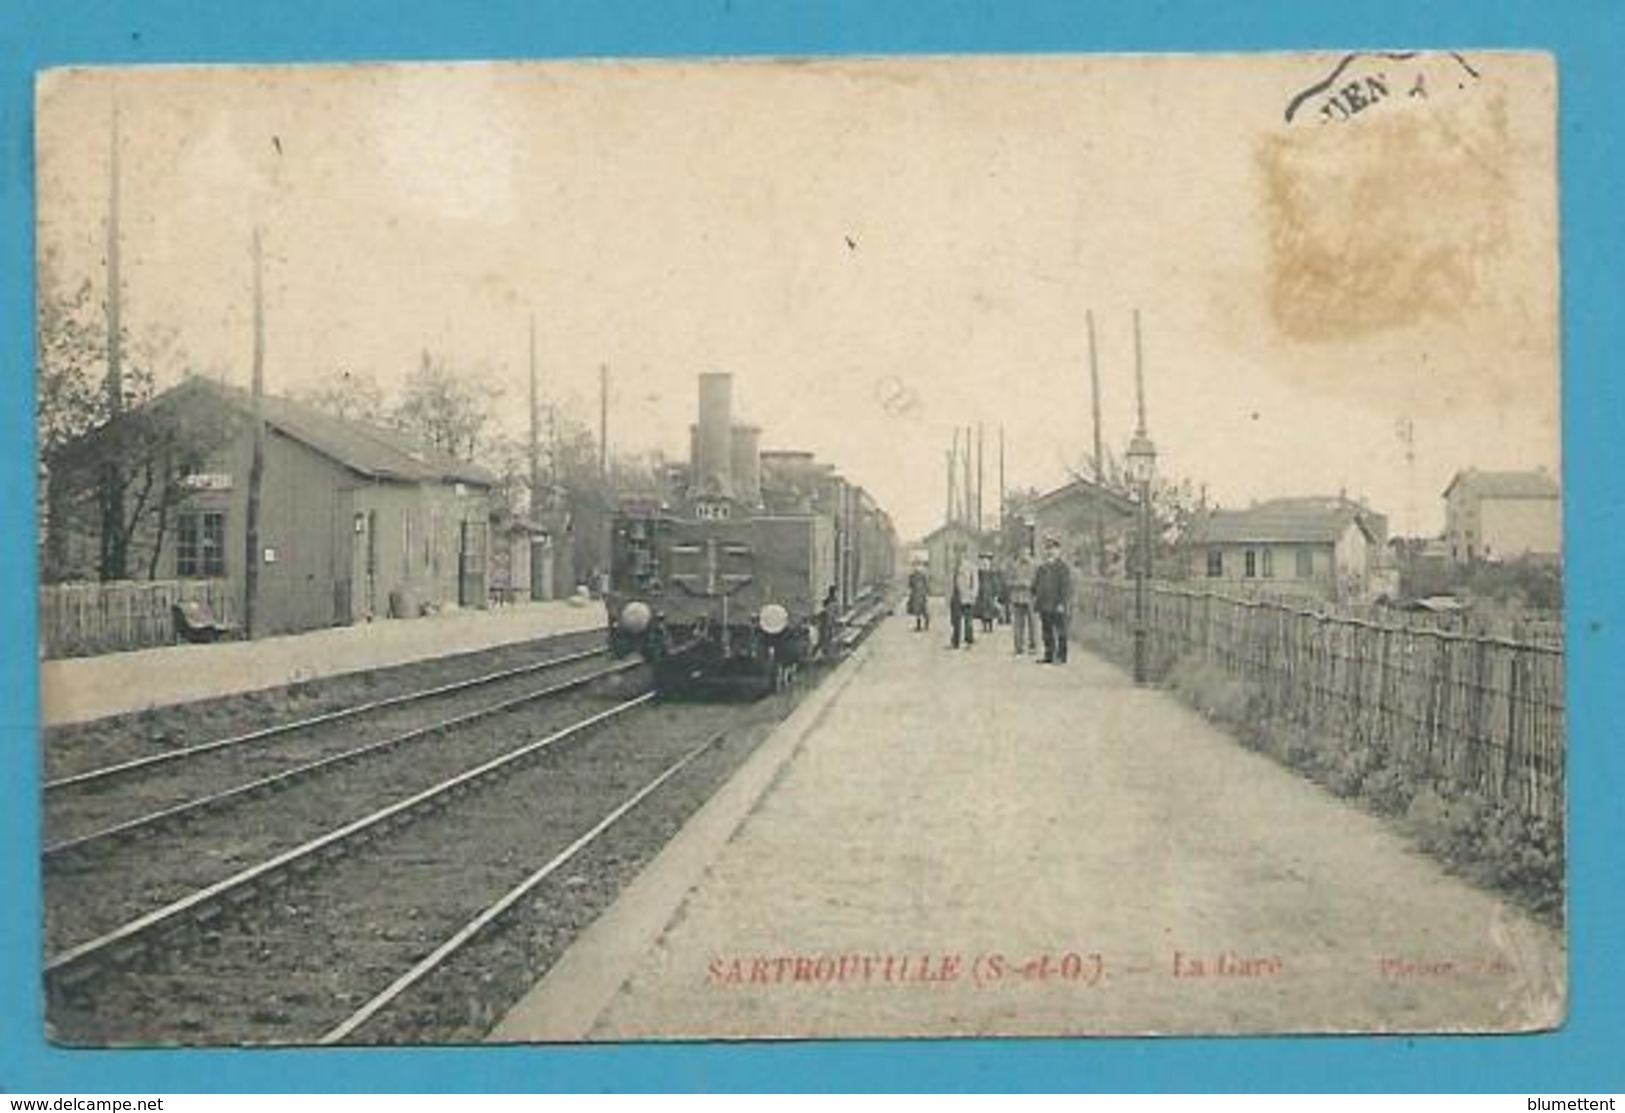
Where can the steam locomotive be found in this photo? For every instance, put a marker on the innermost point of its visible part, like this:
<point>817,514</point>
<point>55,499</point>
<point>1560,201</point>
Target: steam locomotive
<point>756,563</point>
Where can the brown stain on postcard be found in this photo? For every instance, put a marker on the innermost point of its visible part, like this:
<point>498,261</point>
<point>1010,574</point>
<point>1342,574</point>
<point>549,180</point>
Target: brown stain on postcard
<point>1386,221</point>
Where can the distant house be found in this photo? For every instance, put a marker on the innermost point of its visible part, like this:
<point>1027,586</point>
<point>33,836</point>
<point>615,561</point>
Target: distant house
<point>1078,513</point>
<point>355,521</point>
<point>944,544</point>
<point>1498,515</point>
<point>1329,548</point>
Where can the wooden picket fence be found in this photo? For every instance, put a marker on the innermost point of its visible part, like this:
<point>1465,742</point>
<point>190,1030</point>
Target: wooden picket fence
<point>1474,713</point>
<point>82,619</point>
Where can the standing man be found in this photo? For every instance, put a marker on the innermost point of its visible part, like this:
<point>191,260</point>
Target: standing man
<point>1052,596</point>
<point>919,598</point>
<point>1020,587</point>
<point>962,602</point>
<point>827,623</point>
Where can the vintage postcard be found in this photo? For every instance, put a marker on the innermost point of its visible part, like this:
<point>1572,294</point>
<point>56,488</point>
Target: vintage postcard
<point>892,547</point>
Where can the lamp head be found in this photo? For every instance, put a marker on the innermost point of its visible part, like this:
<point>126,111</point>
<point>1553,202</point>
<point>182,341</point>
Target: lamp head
<point>1142,459</point>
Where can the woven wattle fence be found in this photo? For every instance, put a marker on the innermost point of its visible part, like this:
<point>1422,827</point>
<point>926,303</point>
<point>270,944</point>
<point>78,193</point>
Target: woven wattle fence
<point>1475,713</point>
<point>82,619</point>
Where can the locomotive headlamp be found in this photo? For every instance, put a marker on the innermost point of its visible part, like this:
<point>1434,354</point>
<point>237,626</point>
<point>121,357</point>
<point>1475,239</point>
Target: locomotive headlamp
<point>635,617</point>
<point>773,619</point>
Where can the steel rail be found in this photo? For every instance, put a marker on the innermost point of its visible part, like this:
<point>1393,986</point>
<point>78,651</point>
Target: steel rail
<point>192,808</point>
<point>130,939</point>
<point>92,776</point>
<point>469,931</point>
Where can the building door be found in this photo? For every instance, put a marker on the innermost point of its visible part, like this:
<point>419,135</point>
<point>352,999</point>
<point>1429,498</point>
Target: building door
<point>364,567</point>
<point>471,552</point>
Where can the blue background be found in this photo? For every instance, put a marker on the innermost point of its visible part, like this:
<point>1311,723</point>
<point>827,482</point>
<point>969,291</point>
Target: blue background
<point>1589,42</point>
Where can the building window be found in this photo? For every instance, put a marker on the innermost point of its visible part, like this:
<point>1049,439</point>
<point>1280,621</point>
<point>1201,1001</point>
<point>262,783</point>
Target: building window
<point>1215,562</point>
<point>1251,569</point>
<point>1306,564</point>
<point>1269,563</point>
<point>200,544</point>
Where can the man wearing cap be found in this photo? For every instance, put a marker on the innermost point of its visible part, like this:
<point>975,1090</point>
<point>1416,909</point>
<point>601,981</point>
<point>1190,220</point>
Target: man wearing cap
<point>1052,596</point>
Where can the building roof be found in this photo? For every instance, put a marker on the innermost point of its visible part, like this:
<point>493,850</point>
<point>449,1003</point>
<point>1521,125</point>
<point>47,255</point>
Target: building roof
<point>369,450</point>
<point>1310,520</point>
<point>1537,484</point>
<point>1085,490</point>
<point>950,527</point>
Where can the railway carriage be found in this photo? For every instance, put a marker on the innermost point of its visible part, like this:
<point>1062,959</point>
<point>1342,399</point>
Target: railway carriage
<point>757,563</point>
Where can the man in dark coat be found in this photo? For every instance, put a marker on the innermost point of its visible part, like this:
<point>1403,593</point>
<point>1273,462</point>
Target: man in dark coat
<point>1052,598</point>
<point>919,600</point>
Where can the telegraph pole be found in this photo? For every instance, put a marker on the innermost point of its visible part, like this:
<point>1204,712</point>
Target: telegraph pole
<point>965,499</point>
<point>115,339</point>
<point>256,467</point>
<point>1100,467</point>
<point>1139,378</point>
<point>113,552</point>
<point>1001,475</point>
<point>535,431</point>
<point>1142,461</point>
<point>981,476</point>
<point>603,420</point>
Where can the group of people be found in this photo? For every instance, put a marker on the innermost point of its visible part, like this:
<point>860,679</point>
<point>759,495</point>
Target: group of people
<point>1012,592</point>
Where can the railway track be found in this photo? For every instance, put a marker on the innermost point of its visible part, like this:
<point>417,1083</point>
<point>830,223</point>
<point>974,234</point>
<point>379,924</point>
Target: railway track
<point>422,920</point>
<point>101,807</point>
<point>333,940</point>
<point>116,874</point>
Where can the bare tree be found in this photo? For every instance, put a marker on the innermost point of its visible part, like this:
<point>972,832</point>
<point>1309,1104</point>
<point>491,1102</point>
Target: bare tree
<point>352,396</point>
<point>81,430</point>
<point>509,460</point>
<point>446,410</point>
<point>160,444</point>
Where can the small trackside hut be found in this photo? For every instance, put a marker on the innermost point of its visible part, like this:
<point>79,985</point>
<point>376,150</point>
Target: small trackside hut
<point>356,522</point>
<point>752,564</point>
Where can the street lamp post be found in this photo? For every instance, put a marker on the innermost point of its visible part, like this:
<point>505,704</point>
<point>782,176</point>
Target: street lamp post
<point>1142,462</point>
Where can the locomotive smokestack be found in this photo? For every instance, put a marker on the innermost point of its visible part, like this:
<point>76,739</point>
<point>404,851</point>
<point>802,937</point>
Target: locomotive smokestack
<point>713,441</point>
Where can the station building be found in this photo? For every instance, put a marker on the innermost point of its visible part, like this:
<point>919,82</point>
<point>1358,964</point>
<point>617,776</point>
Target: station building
<point>1330,548</point>
<point>356,521</point>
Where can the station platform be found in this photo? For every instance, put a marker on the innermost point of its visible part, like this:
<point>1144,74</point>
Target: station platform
<point>960,843</point>
<point>84,688</point>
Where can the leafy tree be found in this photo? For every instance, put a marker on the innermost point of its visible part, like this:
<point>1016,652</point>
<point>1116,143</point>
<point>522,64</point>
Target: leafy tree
<point>575,484</point>
<point>1176,505</point>
<point>1012,537</point>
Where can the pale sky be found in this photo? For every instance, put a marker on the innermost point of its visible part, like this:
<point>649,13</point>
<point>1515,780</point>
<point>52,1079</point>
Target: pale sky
<point>835,232</point>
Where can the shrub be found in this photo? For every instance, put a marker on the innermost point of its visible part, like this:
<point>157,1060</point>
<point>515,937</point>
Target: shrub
<point>1212,691</point>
